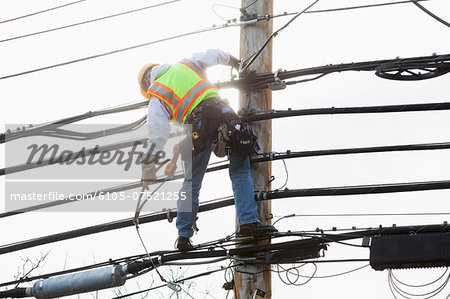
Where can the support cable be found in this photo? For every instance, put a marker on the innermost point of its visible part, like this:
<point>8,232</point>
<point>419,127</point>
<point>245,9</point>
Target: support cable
<point>247,62</point>
<point>361,6</point>
<point>212,28</point>
<point>260,196</point>
<point>42,11</point>
<point>361,215</point>
<point>88,21</point>
<point>430,13</point>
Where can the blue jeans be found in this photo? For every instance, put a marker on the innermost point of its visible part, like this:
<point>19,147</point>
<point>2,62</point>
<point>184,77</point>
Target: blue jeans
<point>241,180</point>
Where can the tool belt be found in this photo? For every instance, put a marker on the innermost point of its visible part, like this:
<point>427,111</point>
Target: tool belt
<point>215,121</point>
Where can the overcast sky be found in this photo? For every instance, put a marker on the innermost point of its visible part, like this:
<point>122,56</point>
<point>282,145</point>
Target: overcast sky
<point>312,40</point>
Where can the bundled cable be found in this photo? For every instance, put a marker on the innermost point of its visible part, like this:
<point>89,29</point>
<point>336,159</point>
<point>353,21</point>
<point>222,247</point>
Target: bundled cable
<point>406,290</point>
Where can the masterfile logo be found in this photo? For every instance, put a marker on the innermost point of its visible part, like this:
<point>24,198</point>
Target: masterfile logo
<point>92,167</point>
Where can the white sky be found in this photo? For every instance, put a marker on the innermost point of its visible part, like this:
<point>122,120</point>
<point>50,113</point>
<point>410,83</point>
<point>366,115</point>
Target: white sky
<point>312,40</point>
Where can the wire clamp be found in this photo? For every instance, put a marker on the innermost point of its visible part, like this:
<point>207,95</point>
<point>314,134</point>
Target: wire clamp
<point>278,84</point>
<point>174,287</point>
<point>228,253</point>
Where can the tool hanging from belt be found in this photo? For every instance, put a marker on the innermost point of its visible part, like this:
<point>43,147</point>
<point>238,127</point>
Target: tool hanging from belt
<point>214,120</point>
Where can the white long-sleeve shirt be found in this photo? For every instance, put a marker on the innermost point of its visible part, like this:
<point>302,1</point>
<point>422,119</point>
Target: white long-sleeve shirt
<point>158,115</point>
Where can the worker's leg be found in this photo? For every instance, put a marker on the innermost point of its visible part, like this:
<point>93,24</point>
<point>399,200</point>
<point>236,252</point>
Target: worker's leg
<point>191,187</point>
<point>244,198</point>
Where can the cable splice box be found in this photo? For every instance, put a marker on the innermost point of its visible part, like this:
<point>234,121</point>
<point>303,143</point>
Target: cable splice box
<point>418,250</point>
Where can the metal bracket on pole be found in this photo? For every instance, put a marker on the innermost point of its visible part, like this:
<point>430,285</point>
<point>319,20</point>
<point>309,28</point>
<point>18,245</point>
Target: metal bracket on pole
<point>278,84</point>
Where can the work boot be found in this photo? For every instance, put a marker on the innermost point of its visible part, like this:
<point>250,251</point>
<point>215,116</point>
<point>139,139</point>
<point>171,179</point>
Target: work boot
<point>256,229</point>
<point>184,244</point>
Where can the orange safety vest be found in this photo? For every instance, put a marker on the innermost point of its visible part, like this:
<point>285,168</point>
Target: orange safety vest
<point>182,87</point>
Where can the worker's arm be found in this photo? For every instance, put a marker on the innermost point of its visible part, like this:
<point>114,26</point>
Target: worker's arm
<point>213,57</point>
<point>158,125</point>
<point>158,132</point>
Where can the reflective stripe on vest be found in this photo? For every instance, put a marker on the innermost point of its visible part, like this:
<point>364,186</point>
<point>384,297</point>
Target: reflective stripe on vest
<point>182,87</point>
<point>168,94</point>
<point>194,67</point>
<point>192,95</point>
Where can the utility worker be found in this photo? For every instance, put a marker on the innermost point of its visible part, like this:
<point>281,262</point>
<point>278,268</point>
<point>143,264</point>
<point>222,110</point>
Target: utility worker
<point>181,93</point>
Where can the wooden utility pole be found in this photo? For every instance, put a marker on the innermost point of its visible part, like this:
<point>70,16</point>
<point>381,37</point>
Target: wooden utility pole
<point>252,38</point>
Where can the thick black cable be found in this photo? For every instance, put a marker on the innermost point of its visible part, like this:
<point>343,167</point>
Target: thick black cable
<point>261,196</point>
<point>260,81</point>
<point>88,21</point>
<point>247,116</point>
<point>79,136</point>
<point>51,126</point>
<point>41,11</point>
<point>257,116</point>
<point>173,255</point>
<point>430,13</point>
<point>265,158</point>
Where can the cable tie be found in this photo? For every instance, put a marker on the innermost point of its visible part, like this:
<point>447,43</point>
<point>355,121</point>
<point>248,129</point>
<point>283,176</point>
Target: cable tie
<point>160,259</point>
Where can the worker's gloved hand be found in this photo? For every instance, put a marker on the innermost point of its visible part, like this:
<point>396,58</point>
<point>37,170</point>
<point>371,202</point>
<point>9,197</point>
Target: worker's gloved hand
<point>234,62</point>
<point>148,169</point>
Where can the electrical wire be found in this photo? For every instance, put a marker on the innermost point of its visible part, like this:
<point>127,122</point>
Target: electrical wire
<point>214,27</point>
<point>248,117</point>
<point>420,285</point>
<point>261,196</point>
<point>248,5</point>
<point>168,256</point>
<point>287,176</point>
<point>175,282</point>
<point>42,11</point>
<point>361,6</point>
<point>435,65</point>
<point>396,289</point>
<point>222,5</point>
<point>362,215</point>
<point>88,21</point>
<point>255,115</point>
<point>53,125</point>
<point>430,13</point>
<point>296,274</point>
<point>337,274</point>
<point>247,62</point>
<point>265,158</point>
